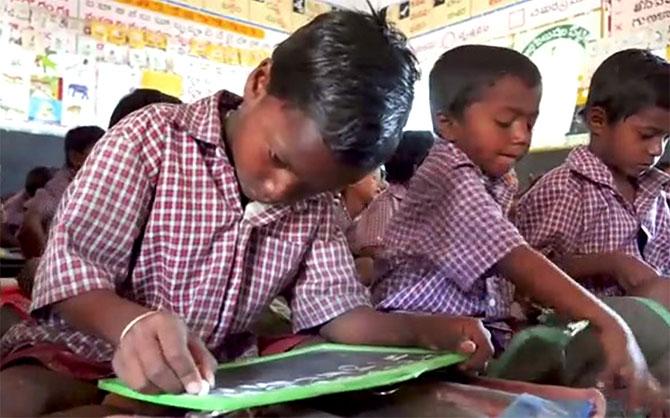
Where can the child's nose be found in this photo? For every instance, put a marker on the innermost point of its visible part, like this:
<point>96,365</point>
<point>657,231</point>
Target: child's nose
<point>657,147</point>
<point>522,135</point>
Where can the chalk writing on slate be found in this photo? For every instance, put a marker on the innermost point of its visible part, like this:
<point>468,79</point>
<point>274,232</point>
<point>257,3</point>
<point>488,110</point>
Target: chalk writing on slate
<point>307,369</point>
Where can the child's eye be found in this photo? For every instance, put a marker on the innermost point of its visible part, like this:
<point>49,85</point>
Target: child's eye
<point>504,124</point>
<point>276,160</point>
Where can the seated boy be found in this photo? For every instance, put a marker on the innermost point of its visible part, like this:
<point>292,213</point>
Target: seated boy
<point>41,208</point>
<point>366,233</point>
<point>451,243</point>
<point>352,207</point>
<point>136,100</point>
<point>603,216</point>
<point>14,206</point>
<point>187,220</point>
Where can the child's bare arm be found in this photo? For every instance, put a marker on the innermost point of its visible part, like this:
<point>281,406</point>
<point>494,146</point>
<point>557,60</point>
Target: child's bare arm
<point>627,270</point>
<point>366,326</point>
<point>542,280</point>
<point>99,312</point>
<point>32,237</point>
<point>538,278</point>
<point>156,354</point>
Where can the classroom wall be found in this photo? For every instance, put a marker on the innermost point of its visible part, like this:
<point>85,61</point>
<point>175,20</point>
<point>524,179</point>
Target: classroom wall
<point>538,163</point>
<point>21,151</point>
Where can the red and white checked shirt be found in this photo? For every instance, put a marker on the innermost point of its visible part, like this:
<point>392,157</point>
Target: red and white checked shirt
<point>576,209</point>
<point>155,215</point>
<point>367,230</point>
<point>443,243</point>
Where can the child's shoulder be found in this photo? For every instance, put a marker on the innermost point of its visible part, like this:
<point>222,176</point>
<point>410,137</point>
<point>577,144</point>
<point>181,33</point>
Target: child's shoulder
<point>147,121</point>
<point>447,167</point>
<point>558,185</point>
<point>580,167</point>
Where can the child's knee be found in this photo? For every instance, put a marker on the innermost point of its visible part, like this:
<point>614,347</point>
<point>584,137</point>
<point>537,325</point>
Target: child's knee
<point>21,394</point>
<point>33,390</point>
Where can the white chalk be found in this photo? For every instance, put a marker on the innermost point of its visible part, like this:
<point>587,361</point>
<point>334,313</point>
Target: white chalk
<point>204,388</point>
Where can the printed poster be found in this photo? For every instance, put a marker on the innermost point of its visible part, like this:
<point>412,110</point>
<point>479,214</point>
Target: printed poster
<point>633,15</point>
<point>15,85</point>
<point>564,42</point>
<point>45,99</point>
<point>483,6</point>
<point>79,95</point>
<point>165,82</point>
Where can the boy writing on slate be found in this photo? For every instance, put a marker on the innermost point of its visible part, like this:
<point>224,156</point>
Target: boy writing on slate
<point>188,219</point>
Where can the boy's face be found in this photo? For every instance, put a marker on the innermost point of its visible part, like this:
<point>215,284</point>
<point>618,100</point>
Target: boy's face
<point>278,151</point>
<point>77,158</point>
<point>367,189</point>
<point>633,145</point>
<point>495,131</point>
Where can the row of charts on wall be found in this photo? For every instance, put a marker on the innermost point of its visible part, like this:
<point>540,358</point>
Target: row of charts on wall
<point>68,62</point>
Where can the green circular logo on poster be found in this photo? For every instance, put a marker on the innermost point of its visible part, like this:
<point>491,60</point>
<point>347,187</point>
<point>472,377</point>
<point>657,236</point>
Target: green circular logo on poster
<point>572,32</point>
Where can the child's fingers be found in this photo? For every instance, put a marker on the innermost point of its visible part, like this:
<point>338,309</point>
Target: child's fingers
<point>478,342</point>
<point>155,366</point>
<point>128,368</point>
<point>174,344</point>
<point>479,358</point>
<point>204,360</point>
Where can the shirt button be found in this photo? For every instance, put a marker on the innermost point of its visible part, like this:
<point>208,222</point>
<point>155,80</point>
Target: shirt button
<point>492,302</point>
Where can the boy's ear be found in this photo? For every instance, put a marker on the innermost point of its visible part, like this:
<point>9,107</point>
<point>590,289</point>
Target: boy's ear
<point>596,120</point>
<point>447,126</point>
<point>258,81</point>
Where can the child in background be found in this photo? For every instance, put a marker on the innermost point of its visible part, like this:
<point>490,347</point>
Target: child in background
<point>355,198</point>
<point>366,234</point>
<point>14,206</point>
<point>351,208</point>
<point>452,249</point>
<point>187,220</point>
<point>14,301</point>
<point>40,210</point>
<point>603,216</point>
<point>136,100</point>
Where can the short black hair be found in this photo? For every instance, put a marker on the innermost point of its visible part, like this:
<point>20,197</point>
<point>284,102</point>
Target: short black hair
<point>354,75</point>
<point>412,150</point>
<point>138,99</point>
<point>37,178</point>
<point>628,82</point>
<point>80,138</point>
<point>461,75</point>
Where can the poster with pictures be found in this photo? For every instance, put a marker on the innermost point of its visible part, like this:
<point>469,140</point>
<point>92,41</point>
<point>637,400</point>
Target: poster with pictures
<point>79,95</point>
<point>45,103</point>
<point>15,84</point>
<point>563,42</point>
